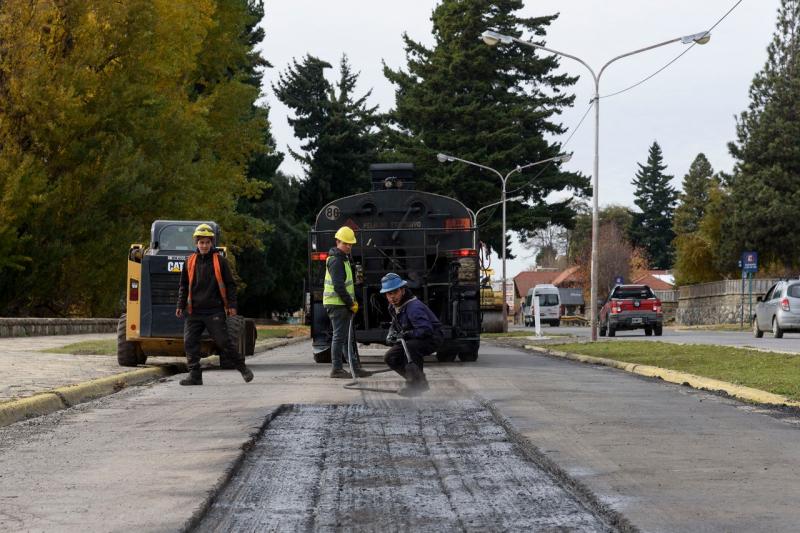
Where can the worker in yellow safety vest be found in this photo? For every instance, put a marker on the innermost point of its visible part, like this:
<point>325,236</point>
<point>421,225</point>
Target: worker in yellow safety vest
<point>339,300</point>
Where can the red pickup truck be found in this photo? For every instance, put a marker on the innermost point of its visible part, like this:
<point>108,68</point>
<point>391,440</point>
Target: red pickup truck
<point>631,307</point>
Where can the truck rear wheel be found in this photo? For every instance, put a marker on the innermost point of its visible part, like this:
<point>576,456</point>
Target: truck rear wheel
<point>446,355</point>
<point>128,353</point>
<point>469,351</point>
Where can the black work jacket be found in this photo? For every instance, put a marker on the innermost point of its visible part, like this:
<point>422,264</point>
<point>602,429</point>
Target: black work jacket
<point>206,297</point>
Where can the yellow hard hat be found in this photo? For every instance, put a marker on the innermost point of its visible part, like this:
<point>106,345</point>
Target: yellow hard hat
<point>346,234</point>
<point>203,230</point>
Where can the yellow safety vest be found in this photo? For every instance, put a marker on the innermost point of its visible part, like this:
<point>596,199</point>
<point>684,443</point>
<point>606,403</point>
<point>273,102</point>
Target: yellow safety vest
<point>330,296</point>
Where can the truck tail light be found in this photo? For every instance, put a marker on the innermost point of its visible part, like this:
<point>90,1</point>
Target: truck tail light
<point>457,223</point>
<point>319,256</point>
<point>785,304</point>
<point>464,252</point>
<point>133,292</point>
<point>616,308</point>
<point>657,306</point>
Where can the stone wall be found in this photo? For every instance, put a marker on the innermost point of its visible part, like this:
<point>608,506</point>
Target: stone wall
<point>719,302</point>
<point>29,327</point>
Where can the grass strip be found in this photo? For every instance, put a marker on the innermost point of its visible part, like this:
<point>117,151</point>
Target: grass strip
<point>275,332</point>
<point>99,347</point>
<point>768,371</point>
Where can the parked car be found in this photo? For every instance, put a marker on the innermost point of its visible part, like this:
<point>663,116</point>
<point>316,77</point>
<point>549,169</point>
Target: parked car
<point>631,307</point>
<point>778,310</point>
<point>549,305</point>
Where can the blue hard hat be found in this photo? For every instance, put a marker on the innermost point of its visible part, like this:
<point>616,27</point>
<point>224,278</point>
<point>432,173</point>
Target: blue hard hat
<point>390,282</point>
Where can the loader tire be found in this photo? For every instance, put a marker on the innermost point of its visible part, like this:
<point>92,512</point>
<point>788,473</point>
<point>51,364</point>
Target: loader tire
<point>250,336</point>
<point>128,353</point>
<point>236,332</point>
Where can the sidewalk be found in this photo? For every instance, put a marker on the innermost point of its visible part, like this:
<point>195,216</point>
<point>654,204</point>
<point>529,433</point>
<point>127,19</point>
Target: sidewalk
<point>26,368</point>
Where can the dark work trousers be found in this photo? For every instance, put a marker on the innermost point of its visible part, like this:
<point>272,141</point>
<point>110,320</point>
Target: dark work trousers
<point>215,324</point>
<point>395,357</point>
<point>340,316</point>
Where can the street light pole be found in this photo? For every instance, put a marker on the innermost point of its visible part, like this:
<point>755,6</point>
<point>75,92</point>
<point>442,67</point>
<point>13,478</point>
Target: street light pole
<point>493,38</point>
<point>444,158</point>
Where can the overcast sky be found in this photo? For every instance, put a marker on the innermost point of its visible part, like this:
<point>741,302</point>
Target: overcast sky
<point>688,108</point>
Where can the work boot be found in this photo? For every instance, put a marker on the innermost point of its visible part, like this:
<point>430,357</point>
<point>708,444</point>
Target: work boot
<point>194,378</point>
<point>414,388</point>
<point>340,373</point>
<point>247,374</point>
<point>360,372</point>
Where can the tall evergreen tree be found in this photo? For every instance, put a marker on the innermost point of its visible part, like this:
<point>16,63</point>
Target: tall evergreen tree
<point>494,106</point>
<point>694,196</point>
<point>338,129</point>
<point>655,198</point>
<point>765,186</point>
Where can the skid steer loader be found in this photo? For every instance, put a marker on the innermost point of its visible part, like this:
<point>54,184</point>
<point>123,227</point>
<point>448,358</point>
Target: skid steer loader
<point>149,326</point>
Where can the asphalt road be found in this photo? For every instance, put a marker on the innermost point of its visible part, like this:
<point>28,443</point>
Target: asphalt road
<point>661,456</point>
<point>741,339</point>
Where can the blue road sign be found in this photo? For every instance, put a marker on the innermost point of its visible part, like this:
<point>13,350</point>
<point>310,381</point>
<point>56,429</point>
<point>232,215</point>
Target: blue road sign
<point>750,261</point>
<point>618,280</point>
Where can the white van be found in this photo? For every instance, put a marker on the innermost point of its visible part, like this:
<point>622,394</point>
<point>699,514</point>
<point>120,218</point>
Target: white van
<point>549,305</point>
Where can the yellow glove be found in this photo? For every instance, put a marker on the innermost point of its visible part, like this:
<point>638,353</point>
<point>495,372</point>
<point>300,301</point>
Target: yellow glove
<point>354,308</point>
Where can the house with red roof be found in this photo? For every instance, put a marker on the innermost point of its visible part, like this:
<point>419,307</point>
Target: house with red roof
<point>658,280</point>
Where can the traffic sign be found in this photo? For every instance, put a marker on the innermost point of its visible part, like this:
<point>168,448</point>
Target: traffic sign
<point>750,261</point>
<point>618,280</point>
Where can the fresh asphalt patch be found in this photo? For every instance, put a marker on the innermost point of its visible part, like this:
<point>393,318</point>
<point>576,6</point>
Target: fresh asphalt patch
<point>400,466</point>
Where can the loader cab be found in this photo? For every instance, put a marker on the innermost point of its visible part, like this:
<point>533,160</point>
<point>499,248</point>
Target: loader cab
<point>176,236</point>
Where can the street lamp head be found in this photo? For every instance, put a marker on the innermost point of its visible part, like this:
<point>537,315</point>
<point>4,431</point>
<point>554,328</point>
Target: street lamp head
<point>492,38</point>
<point>698,38</point>
<point>564,158</point>
<point>444,158</point>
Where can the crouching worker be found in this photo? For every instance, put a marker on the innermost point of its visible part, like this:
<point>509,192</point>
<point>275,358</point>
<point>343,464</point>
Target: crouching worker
<point>417,325</point>
<point>207,293</point>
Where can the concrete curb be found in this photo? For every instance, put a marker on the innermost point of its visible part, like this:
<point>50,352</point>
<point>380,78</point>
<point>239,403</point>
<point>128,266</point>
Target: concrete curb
<point>68,396</point>
<point>681,378</point>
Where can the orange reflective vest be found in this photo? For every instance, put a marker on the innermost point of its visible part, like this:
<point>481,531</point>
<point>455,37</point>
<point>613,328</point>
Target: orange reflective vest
<point>217,274</point>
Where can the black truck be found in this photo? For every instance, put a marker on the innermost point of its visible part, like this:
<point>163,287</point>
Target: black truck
<point>428,239</point>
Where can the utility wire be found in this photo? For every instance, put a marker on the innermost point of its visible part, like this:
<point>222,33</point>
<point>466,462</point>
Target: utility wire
<point>675,58</point>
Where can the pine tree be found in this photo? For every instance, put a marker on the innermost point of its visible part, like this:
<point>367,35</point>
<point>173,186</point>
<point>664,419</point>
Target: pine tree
<point>761,211</point>
<point>655,198</point>
<point>694,197</point>
<point>338,130</point>
<point>493,106</point>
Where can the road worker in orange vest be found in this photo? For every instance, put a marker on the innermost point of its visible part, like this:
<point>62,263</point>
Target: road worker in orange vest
<point>207,296</point>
